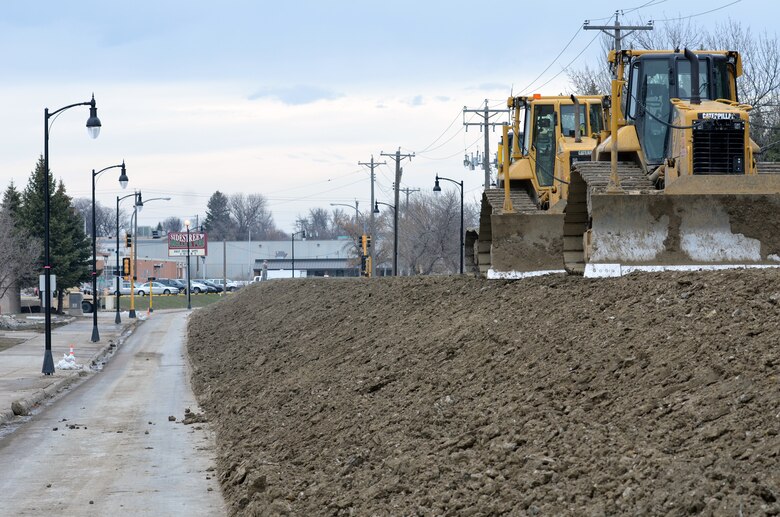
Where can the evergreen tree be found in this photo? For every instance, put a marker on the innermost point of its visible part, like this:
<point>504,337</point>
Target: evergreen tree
<point>218,223</point>
<point>69,249</point>
<point>12,200</point>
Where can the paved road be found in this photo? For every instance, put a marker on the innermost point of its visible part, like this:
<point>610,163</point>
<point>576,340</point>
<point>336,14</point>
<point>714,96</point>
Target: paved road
<point>114,450</point>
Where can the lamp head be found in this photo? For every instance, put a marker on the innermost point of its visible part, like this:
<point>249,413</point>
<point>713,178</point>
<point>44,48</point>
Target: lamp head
<point>376,207</point>
<point>187,224</point>
<point>93,122</point>
<point>139,203</point>
<point>436,187</point>
<point>123,176</point>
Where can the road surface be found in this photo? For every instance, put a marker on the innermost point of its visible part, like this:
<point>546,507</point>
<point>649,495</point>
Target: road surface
<point>108,447</point>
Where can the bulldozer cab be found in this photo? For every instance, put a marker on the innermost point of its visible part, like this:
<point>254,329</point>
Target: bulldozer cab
<point>655,79</point>
<point>550,130</point>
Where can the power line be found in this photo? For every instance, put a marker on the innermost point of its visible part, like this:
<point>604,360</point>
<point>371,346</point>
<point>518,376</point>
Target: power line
<point>552,62</point>
<point>699,14</point>
<point>426,148</point>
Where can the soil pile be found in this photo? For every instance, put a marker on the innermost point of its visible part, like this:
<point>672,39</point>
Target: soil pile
<point>642,395</point>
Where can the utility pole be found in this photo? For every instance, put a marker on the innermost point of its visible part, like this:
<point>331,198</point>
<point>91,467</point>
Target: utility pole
<point>397,156</point>
<point>372,164</point>
<point>616,32</point>
<point>486,113</point>
<point>408,191</point>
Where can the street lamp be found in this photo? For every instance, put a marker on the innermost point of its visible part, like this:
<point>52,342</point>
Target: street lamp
<point>95,300</point>
<point>437,190</point>
<point>292,241</point>
<point>137,207</point>
<point>93,129</point>
<point>189,287</point>
<point>357,212</point>
<point>395,235</point>
<point>118,319</point>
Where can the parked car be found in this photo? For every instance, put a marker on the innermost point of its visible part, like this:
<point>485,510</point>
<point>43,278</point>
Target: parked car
<point>174,282</point>
<point>124,288</point>
<point>211,285</point>
<point>198,287</point>
<point>155,288</point>
<point>229,286</point>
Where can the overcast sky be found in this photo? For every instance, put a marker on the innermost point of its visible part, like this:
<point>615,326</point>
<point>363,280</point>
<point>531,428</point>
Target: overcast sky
<point>284,98</point>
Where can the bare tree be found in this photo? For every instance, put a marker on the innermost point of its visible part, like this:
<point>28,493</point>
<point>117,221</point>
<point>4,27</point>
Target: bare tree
<point>429,234</point>
<point>172,224</point>
<point>105,218</point>
<point>17,252</point>
<point>250,213</point>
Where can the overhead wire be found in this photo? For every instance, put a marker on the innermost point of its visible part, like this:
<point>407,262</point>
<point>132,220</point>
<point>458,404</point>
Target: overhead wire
<point>523,90</point>
<point>698,14</point>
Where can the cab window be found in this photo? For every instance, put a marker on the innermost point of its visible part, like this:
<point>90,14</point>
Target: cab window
<point>567,120</point>
<point>596,118</point>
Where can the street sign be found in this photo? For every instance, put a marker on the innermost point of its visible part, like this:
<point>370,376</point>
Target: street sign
<point>177,244</point>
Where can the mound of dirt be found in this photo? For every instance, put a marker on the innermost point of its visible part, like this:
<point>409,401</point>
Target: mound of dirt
<point>642,395</point>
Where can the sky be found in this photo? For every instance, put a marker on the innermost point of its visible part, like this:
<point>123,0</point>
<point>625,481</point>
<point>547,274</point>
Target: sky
<point>284,99</point>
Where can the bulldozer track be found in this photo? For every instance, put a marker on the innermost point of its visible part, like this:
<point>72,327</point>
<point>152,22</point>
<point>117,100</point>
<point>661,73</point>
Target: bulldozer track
<point>589,178</point>
<point>521,200</point>
<point>493,204</point>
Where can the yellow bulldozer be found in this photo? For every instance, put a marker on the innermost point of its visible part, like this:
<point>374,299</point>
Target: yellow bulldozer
<point>521,222</point>
<point>674,183</point>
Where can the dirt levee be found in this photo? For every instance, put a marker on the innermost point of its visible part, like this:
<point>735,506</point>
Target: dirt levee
<point>643,395</point>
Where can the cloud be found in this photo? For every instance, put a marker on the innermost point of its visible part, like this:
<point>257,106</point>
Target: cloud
<point>490,86</point>
<point>417,100</point>
<point>296,95</point>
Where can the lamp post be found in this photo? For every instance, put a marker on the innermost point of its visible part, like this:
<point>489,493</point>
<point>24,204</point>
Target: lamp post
<point>357,214</point>
<point>395,235</point>
<point>436,190</point>
<point>93,129</point>
<point>95,301</point>
<point>292,241</point>
<point>189,287</point>
<point>137,207</point>
<point>118,319</point>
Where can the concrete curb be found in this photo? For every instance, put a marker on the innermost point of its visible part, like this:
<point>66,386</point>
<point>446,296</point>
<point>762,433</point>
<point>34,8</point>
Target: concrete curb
<point>24,406</point>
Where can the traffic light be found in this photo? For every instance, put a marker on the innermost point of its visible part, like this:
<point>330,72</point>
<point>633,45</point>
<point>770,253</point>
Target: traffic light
<point>368,242</point>
<point>126,268</point>
<point>128,241</point>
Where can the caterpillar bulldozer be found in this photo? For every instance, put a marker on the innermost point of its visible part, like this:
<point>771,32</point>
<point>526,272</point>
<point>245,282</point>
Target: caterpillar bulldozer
<point>673,183</point>
<point>521,222</point>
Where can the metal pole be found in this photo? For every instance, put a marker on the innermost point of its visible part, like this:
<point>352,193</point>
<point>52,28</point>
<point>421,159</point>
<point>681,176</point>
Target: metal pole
<point>292,241</point>
<point>486,156</point>
<point>117,318</point>
<point>189,286</point>
<point>372,226</point>
<point>95,302</point>
<point>395,212</point>
<point>462,247</point>
<point>48,360</point>
<point>132,259</point>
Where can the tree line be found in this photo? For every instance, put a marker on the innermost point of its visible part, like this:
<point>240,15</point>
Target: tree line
<point>22,234</point>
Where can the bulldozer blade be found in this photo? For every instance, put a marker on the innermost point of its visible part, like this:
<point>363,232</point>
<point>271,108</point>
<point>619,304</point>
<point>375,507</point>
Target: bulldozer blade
<point>685,227</point>
<point>526,244</point>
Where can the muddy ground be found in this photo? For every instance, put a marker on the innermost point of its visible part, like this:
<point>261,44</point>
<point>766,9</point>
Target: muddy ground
<point>643,395</point>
